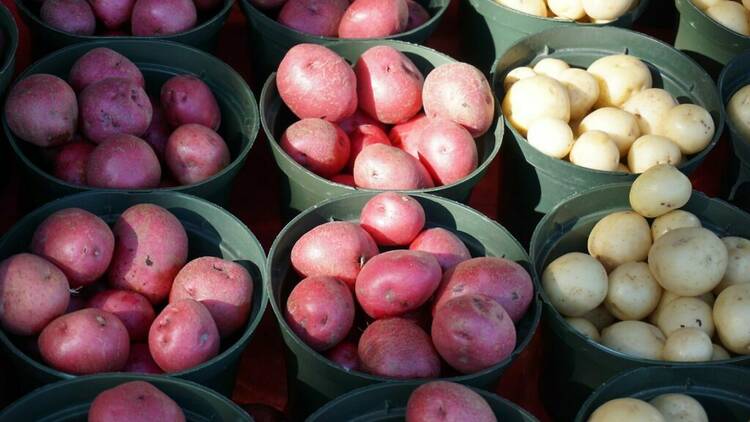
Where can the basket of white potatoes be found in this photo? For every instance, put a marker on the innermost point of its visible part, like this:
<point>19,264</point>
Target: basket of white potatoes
<point>642,274</point>
<point>734,87</point>
<point>714,31</point>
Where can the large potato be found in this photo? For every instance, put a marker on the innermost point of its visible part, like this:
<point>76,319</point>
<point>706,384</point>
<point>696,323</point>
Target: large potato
<point>447,248</point>
<point>135,401</point>
<point>575,283</point>
<point>620,77</point>
<point>659,190</point>
<point>732,316</point>
<point>134,310</point>
<point>633,292</point>
<point>448,151</point>
<point>112,13</point>
<point>649,107</point>
<point>123,162</point>
<point>685,312</point>
<point>533,98</point>
<point>626,410</point>
<point>690,126</point>
<point>619,238</point>
<point>72,16</point>
<point>738,110</point>
<point>595,150</point>
<point>385,167</point>
<point>187,99</point>
<point>447,401</point>
<point>651,150</point>
<point>320,310</point>
<point>620,125</point>
<point>676,219</point>
<point>314,17</point>
<point>392,219</point>
<point>583,91</point>
<point>317,145</point>
<point>688,345</point>
<point>738,263</point>
<point>551,136</point>
<point>374,19</point>
<point>732,15</point>
<point>398,348</point>
<point>679,407</point>
<point>195,153</point>
<point>152,18</point>
<point>183,336</point>
<point>635,338</point>
<point>102,63</point>
<point>584,327</point>
<point>114,106</point>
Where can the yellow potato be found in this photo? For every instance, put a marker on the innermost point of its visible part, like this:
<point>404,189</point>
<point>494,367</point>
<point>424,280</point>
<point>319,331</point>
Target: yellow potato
<point>649,107</point>
<point>659,190</point>
<point>626,410</point>
<point>676,219</point>
<point>688,345</point>
<point>584,327</point>
<point>532,7</point>
<point>607,9</point>
<point>690,126</point>
<point>516,75</point>
<point>732,15</point>
<point>532,98</point>
<point>620,125</point>
<point>620,77</point>
<point>679,408</point>
<point>575,283</point>
<point>551,67</point>
<point>719,353</point>
<point>595,150</point>
<point>686,312</point>
<point>633,292</point>
<point>583,91</point>
<point>634,338</point>
<point>732,318</point>
<point>738,110</point>
<point>618,238</point>
<point>738,266</point>
<point>651,150</point>
<point>551,136</point>
<point>568,9</point>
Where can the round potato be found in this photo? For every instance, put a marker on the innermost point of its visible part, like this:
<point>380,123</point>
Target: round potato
<point>633,292</point>
<point>620,77</point>
<point>584,327</point>
<point>112,13</point>
<point>685,312</point>
<point>516,75</point>
<point>70,162</point>
<point>672,220</point>
<point>688,345</point>
<point>398,348</point>
<point>313,17</point>
<point>659,190</point>
<point>575,283</point>
<point>595,150</point>
<point>551,136</point>
<point>732,316</point>
<point>386,167</point>
<point>362,137</point>
<point>446,246</point>
<point>635,338</point>
<point>569,9</point>
<point>72,16</point>
<point>732,15</point>
<point>187,99</point>
<point>318,145</point>
<point>649,107</point>
<point>583,91</point>
<point>680,407</point>
<point>133,310</point>
<point>690,126</point>
<point>738,110</point>
<point>195,153</point>
<point>620,125</point>
<point>619,238</point>
<point>123,162</point>
<point>651,150</point>
<point>392,219</point>
<point>447,401</point>
<point>102,63</point>
<point>626,410</point>
<point>550,67</point>
<point>535,97</point>
<point>738,266</point>
<point>607,10</point>
<point>162,17</point>
<point>134,401</point>
<point>114,106</point>
<point>532,7</point>
<point>374,19</point>
<point>448,151</point>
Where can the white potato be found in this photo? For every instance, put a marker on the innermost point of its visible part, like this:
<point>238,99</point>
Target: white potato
<point>568,9</point>
<point>595,150</point>
<point>633,292</point>
<point>551,67</point>
<point>731,15</point>
<point>649,107</point>
<point>532,7</point>
<point>584,327</point>
<point>689,262</point>
<point>618,238</point>
<point>551,136</point>
<point>667,297</point>
<point>620,77</point>
<point>720,353</point>
<point>676,219</point>
<point>626,410</point>
<point>705,4</point>
<point>732,318</point>
<point>532,98</point>
<point>607,9</point>
<point>516,75</point>
<point>688,345</point>
<point>679,408</point>
<point>686,312</point>
<point>738,266</point>
<point>738,110</point>
<point>620,125</point>
<point>690,126</point>
<point>575,283</point>
<point>651,150</point>
<point>600,317</point>
<point>583,91</point>
<point>634,338</point>
<point>659,190</point>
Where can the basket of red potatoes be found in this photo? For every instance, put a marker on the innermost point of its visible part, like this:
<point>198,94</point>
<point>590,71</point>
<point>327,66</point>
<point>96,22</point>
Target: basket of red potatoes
<point>114,116</point>
<point>403,117</point>
<point>146,283</point>
<point>372,287</point>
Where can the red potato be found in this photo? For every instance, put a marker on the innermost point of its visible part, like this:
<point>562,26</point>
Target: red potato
<point>387,168</point>
<point>72,16</point>
<point>70,162</point>
<point>114,106</point>
<point>135,401</point>
<point>338,249</point>
<point>267,4</point>
<point>315,82</point>
<point>187,99</point>
<point>314,17</point>
<point>460,92</point>
<point>345,355</point>
<point>448,151</point>
<point>396,282</point>
<point>418,16</point>
<point>501,279</point>
<point>407,135</point>
<point>425,177</point>
<point>445,246</point>
<point>153,18</point>
<point>359,118</point>
<point>33,292</point>
<point>84,342</point>
<point>195,153</point>
<point>151,247</point>
<point>157,134</point>
<point>102,63</point>
<point>207,5</point>
<point>43,110</point>
<point>123,162</point>
<point>473,332</point>
<point>397,348</point>
<point>112,13</point>
<point>362,137</point>
<point>442,401</point>
<point>320,310</point>
<point>78,242</point>
<point>140,360</point>
<point>389,85</point>
<point>183,336</point>
<point>224,287</point>
<point>317,145</point>
<point>392,219</point>
<point>133,309</point>
<point>374,19</point>
<point>343,179</point>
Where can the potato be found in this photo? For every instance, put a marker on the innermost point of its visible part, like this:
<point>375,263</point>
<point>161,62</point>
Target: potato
<point>659,190</point>
<point>320,311</point>
<point>679,407</point>
<point>317,145</point>
<point>731,314</point>
<point>42,109</point>
<point>397,348</point>
<point>584,327</point>
<point>690,126</point>
<point>633,293</point>
<point>568,9</point>
<point>386,167</point>
<point>685,312</point>
<point>583,91</point>
<point>112,13</point>
<point>607,9</point>
<point>195,153</point>
<point>345,355</point>
<point>738,263</point>
<point>151,246</point>
<point>78,242</point>
<point>72,16</point>
<point>550,67</point>
<point>600,317</point>
<point>532,7</point>
<point>114,106</point>
<point>719,353</point>
<point>595,150</point>
<point>102,63</point>
<point>634,338</point>
<point>689,261</point>
<point>123,162</point>
<point>418,16</point>
<point>705,4</point>
<point>70,163</point>
<point>460,92</point>
<point>672,220</point>
<point>134,310</point>
<point>346,247</point>
<point>551,136</point>
<point>448,151</point>
<point>667,297</point>
<point>364,136</point>
<point>738,110</point>
<point>626,410</point>
<point>620,125</point>
<point>389,85</point>
<point>732,15</point>
<point>33,292</point>
<point>619,238</point>
<point>314,17</point>
<point>85,342</point>
<point>187,99</point>
<point>532,98</point>
<point>688,345</point>
<point>649,107</point>
<point>575,283</point>
<point>651,150</point>
<point>155,18</point>
<point>224,287</point>
<point>516,75</point>
<point>133,402</point>
<point>392,219</point>
<point>354,122</point>
<point>407,135</point>
<point>447,401</point>
<point>140,360</point>
<point>183,336</point>
<point>374,19</point>
<point>620,76</point>
<point>445,246</point>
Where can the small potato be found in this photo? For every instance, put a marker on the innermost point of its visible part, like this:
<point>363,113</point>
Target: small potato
<point>407,135</point>
<point>320,310</point>
<point>551,136</point>
<point>447,248</point>
<point>374,19</point>
<point>686,312</point>
<point>689,261</point>
<point>595,150</point>
<point>418,15</point>
<point>195,153</point>
<point>672,220</point>
<point>154,18</point>
<point>392,219</point>
<point>516,75</point>
<point>314,17</point>
<point>732,315</point>
<point>134,401</point>
<point>386,167</point>
<point>649,107</point>
<point>620,125</point>
<point>123,162</point>
<point>634,338</point>
<point>575,283</point>
<point>550,67</point>
<point>732,15</point>
<point>620,76</point>
<point>448,151</point>
<point>345,355</point>
<point>600,317</point>
<point>398,348</point>
<point>607,9</point>
<point>626,410</point>
<point>633,292</point>
<point>533,98</point>
<point>140,360</point>
<point>679,408</point>
<point>688,345</point>
<point>583,91</point>
<point>568,9</point>
<point>532,7</point>
<point>584,327</point>
<point>738,266</point>
<point>619,238</point>
<point>112,13</point>
<point>102,63</point>
<point>659,190</point>
<point>738,110</point>
<point>447,401</point>
<point>134,310</point>
<point>651,150</point>
<point>318,145</point>
<point>72,16</point>
<point>690,126</point>
<point>70,162</point>
<point>187,99</point>
<point>114,106</point>
<point>719,353</point>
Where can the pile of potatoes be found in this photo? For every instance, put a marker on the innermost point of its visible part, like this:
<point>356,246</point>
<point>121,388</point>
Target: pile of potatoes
<point>468,305</point>
<point>738,110</point>
<point>146,18</point>
<point>663,408</point>
<point>732,14</point>
<point>348,19</point>
<point>104,130</point>
<point>691,286</point>
<point>88,298</point>
<point>607,117</point>
<point>134,401</point>
<point>447,401</point>
<point>364,126</point>
<point>596,11</point>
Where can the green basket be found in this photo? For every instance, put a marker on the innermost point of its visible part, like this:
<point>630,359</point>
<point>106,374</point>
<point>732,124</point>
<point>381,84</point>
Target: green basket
<point>735,75</point>
<point>9,35</point>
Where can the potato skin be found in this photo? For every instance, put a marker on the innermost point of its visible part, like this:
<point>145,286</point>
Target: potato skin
<point>112,13</point>
<point>195,153</point>
<point>114,106</point>
<point>70,162</point>
<point>135,401</point>
<point>140,360</point>
<point>72,16</point>
<point>447,401</point>
<point>350,124</point>
<point>407,135</point>
<point>102,63</point>
<point>397,348</point>
<point>112,164</point>
<point>448,151</point>
<point>345,355</point>
<point>392,219</point>
<point>157,134</point>
<point>362,137</point>
<point>314,17</point>
<point>163,17</point>
<point>385,167</point>
<point>133,310</point>
<point>447,248</point>
<point>418,16</point>
<point>187,99</point>
<point>318,145</point>
<point>374,19</point>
